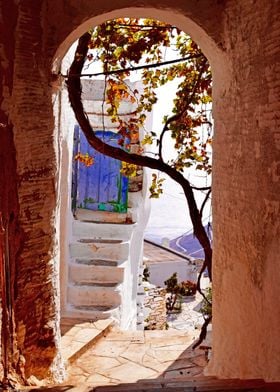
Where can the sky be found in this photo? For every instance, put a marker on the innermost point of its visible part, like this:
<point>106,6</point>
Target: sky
<point>169,216</point>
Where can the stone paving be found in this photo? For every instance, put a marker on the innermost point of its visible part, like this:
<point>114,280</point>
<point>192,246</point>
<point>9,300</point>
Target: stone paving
<point>143,356</point>
<point>127,357</point>
<point>78,336</point>
<point>144,361</point>
<point>189,318</point>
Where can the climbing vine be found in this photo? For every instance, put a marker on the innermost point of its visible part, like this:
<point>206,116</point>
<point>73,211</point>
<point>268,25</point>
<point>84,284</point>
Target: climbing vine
<point>126,45</point>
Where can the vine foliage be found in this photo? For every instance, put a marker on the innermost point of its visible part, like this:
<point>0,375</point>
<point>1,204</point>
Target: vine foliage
<point>123,46</point>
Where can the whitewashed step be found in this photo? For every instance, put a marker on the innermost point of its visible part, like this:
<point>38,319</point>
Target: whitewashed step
<point>100,250</point>
<point>88,274</point>
<point>94,296</point>
<point>97,262</point>
<point>100,216</point>
<point>96,105</point>
<point>102,230</point>
<point>90,313</point>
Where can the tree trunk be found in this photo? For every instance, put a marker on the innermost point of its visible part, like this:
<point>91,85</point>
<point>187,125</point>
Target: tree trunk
<point>75,90</point>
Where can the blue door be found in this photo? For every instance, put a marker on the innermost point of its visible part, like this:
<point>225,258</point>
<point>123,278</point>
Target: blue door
<point>99,187</point>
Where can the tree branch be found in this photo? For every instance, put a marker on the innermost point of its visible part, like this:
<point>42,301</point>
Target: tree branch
<point>204,202</point>
<point>204,188</point>
<point>75,91</point>
<point>177,116</point>
<point>203,332</point>
<point>136,68</point>
<point>143,27</point>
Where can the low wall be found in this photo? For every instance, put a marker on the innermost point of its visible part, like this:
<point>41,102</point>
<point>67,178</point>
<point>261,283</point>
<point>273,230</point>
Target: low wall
<point>159,272</point>
<point>155,303</point>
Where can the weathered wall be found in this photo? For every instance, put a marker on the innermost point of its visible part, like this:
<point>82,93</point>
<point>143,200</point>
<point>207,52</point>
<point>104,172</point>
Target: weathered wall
<point>31,129</point>
<point>10,234</point>
<point>64,128</point>
<point>155,304</point>
<point>246,197</point>
<point>244,34</point>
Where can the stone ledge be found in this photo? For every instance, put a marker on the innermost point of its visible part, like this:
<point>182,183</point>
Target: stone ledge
<point>80,336</point>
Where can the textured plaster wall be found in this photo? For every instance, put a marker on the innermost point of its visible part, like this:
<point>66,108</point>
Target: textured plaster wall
<point>10,237</point>
<point>241,39</point>
<point>30,112</point>
<point>246,197</point>
<point>65,122</point>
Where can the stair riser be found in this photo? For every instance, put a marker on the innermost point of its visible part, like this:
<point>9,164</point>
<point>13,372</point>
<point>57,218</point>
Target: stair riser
<point>97,230</point>
<point>100,251</point>
<point>93,296</point>
<point>89,216</point>
<point>81,274</point>
<point>85,314</point>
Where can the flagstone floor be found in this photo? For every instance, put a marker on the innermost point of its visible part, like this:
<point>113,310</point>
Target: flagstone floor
<point>128,357</point>
<point>147,361</point>
<point>145,356</point>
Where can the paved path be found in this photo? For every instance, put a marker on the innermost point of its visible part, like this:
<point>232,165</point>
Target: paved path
<point>189,318</point>
<point>150,361</point>
<point>145,356</point>
<point>129,357</point>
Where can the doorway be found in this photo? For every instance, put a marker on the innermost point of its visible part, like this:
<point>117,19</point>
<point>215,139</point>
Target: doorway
<point>100,186</point>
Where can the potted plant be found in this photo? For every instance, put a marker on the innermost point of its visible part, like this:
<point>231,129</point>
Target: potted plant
<point>187,288</point>
<point>177,291</point>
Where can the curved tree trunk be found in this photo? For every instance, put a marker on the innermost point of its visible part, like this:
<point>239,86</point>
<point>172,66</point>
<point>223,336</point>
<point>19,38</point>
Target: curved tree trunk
<point>75,90</point>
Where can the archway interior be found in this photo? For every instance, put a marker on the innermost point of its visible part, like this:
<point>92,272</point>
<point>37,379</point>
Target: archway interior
<point>118,47</point>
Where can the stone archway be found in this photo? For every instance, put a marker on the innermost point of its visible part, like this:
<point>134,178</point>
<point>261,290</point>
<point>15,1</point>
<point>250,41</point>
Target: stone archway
<point>246,196</point>
<point>138,13</point>
<point>245,108</point>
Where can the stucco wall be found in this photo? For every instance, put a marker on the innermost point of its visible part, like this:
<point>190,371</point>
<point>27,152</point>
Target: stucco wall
<point>10,233</point>
<point>30,112</point>
<point>246,206</point>
<point>241,40</point>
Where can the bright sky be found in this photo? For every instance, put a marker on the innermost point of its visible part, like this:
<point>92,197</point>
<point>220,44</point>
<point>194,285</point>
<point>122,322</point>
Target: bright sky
<point>169,214</point>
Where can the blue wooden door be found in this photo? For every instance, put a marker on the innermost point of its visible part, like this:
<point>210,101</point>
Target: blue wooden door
<point>99,187</point>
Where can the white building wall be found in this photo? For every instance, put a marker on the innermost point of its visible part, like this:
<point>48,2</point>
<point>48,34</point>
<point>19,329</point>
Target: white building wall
<point>159,272</point>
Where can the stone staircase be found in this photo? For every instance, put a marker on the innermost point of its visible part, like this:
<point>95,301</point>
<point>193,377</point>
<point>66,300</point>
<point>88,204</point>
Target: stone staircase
<point>99,252</point>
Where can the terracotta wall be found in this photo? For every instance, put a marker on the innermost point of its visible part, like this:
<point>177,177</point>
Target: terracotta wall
<point>241,39</point>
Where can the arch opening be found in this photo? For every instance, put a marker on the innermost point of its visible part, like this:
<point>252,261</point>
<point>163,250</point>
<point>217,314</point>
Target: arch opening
<point>204,41</point>
<point>246,197</point>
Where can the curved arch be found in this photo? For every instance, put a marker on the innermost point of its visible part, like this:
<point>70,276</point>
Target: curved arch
<point>185,23</point>
<point>215,55</point>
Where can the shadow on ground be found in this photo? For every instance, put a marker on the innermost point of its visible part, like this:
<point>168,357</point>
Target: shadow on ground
<point>147,361</point>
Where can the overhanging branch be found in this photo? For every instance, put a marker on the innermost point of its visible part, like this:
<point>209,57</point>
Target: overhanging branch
<point>75,91</point>
<point>136,68</point>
